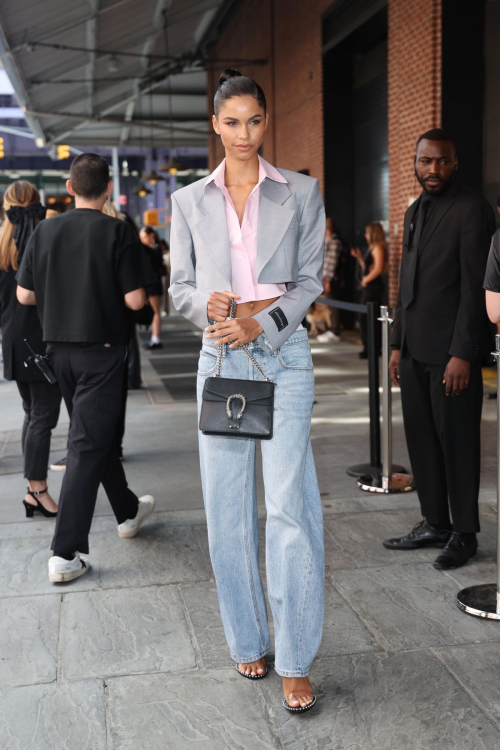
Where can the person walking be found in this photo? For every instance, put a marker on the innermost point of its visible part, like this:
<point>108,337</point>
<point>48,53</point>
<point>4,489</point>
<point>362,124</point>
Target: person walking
<point>372,284</point>
<point>41,399</point>
<point>333,251</point>
<point>82,269</point>
<point>148,239</point>
<point>440,333</point>
<point>255,234</point>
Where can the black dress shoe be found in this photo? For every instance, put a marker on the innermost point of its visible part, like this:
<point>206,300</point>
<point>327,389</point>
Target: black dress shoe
<point>422,535</point>
<point>460,548</point>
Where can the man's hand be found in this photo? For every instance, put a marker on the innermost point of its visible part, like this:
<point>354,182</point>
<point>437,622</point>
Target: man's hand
<point>394,367</point>
<point>238,331</point>
<point>219,304</point>
<point>456,376</point>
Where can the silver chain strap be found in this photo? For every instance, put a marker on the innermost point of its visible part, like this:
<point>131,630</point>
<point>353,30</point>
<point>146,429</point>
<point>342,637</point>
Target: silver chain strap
<point>245,349</point>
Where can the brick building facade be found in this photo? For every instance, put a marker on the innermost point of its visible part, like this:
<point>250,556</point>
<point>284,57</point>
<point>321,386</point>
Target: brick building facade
<point>288,34</point>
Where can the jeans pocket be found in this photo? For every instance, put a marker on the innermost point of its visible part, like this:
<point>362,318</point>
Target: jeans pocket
<point>296,356</point>
<point>207,363</point>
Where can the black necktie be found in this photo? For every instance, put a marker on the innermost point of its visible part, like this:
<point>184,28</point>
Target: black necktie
<point>407,289</point>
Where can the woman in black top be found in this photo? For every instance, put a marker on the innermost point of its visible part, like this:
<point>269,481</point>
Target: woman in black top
<point>373,266</point>
<point>148,239</point>
<point>41,400</point>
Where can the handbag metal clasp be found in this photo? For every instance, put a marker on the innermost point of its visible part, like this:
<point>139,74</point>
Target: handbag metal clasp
<point>229,413</point>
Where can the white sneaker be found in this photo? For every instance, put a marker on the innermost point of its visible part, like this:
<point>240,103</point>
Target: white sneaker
<point>131,526</point>
<point>324,338</point>
<point>61,570</point>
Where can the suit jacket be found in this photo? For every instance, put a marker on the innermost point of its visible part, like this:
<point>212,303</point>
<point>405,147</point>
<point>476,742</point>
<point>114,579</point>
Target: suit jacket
<point>19,322</point>
<point>290,249</point>
<point>447,316</point>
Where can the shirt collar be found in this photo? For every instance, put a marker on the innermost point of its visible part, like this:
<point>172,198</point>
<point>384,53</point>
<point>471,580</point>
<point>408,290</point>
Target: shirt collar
<point>266,170</point>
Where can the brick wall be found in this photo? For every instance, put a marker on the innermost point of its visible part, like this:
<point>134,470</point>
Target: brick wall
<point>414,105</point>
<point>288,34</point>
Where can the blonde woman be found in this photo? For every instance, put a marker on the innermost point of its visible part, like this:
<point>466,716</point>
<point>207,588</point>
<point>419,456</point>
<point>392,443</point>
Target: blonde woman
<point>373,266</point>
<point>41,400</point>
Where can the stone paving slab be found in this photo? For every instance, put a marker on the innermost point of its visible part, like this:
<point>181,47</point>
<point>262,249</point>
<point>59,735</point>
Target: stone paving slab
<point>69,716</point>
<point>108,633</point>
<point>23,568</point>
<point>477,668</point>
<point>157,555</point>
<point>29,631</point>
<point>217,710</point>
<point>405,701</point>
<point>411,607</point>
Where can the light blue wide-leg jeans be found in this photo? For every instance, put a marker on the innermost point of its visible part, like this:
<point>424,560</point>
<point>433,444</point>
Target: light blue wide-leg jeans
<point>294,530</point>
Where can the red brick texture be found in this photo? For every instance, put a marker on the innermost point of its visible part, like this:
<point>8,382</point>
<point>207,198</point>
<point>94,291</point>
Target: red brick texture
<point>414,41</point>
<point>288,34</point>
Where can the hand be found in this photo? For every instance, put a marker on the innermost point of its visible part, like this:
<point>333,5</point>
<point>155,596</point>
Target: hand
<point>327,287</point>
<point>456,376</point>
<point>356,253</point>
<point>237,330</point>
<point>394,367</point>
<point>364,282</point>
<point>219,304</point>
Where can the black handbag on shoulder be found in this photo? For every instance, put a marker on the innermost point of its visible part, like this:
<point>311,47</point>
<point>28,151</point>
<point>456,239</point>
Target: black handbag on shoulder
<point>238,408</point>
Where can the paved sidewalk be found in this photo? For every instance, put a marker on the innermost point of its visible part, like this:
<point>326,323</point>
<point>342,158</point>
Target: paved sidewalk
<point>132,656</point>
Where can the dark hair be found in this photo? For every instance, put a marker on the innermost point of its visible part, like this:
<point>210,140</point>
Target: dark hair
<point>232,83</point>
<point>498,200</point>
<point>148,229</point>
<point>437,134</point>
<point>89,175</point>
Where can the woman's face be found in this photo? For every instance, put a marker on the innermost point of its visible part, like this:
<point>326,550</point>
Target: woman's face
<point>367,236</point>
<point>241,125</point>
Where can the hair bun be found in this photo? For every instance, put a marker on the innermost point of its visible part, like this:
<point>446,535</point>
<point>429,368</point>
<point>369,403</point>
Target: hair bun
<point>227,74</point>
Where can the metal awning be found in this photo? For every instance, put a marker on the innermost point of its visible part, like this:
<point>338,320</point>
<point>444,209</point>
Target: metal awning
<point>112,72</point>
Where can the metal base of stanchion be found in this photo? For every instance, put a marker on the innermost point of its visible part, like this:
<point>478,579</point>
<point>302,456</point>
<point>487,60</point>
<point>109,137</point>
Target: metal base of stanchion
<point>359,470</point>
<point>399,482</point>
<point>480,601</point>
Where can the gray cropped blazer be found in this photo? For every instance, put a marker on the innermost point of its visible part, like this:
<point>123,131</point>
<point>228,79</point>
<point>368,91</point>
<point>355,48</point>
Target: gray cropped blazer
<point>290,249</point>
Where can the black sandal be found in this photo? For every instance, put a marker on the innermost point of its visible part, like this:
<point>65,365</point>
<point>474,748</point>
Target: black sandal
<point>30,509</point>
<point>252,676</point>
<point>299,709</point>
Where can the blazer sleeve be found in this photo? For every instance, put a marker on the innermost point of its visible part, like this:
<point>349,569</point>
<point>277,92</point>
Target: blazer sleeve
<point>187,300</point>
<point>396,328</point>
<point>282,318</point>
<point>477,229</point>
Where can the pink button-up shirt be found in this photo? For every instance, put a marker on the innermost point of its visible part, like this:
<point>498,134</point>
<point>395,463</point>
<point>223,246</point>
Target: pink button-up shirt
<point>243,239</point>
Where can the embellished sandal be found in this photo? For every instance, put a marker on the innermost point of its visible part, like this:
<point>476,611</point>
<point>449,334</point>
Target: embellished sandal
<point>251,676</point>
<point>30,509</point>
<point>299,709</point>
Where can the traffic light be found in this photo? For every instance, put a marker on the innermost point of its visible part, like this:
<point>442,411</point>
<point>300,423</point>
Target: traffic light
<point>2,152</point>
<point>62,152</point>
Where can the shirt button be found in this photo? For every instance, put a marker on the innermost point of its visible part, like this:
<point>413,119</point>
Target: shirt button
<point>248,222</point>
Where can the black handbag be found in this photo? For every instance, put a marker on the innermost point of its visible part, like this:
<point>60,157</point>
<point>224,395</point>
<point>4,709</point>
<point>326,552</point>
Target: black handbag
<point>40,362</point>
<point>238,408</point>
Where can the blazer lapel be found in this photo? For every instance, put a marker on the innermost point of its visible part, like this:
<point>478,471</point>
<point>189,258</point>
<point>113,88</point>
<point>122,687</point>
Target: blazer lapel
<point>274,220</point>
<point>213,228</point>
<point>439,211</point>
<point>408,229</point>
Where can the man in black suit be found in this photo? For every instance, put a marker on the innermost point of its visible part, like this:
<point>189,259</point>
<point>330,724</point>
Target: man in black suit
<point>440,333</point>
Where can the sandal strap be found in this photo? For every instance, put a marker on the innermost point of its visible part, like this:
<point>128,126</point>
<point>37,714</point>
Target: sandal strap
<point>34,493</point>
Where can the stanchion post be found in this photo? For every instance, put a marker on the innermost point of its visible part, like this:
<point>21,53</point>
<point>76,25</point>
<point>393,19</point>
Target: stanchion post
<point>484,600</point>
<point>387,482</point>
<point>373,384</point>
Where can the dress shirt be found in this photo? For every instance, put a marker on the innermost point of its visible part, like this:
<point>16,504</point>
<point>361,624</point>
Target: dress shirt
<point>243,239</point>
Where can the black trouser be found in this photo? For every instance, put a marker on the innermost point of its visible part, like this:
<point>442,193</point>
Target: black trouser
<point>91,380</point>
<point>443,437</point>
<point>41,404</point>
<point>134,359</point>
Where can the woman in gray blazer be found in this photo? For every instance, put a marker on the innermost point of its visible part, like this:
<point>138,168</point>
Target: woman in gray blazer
<point>255,234</point>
